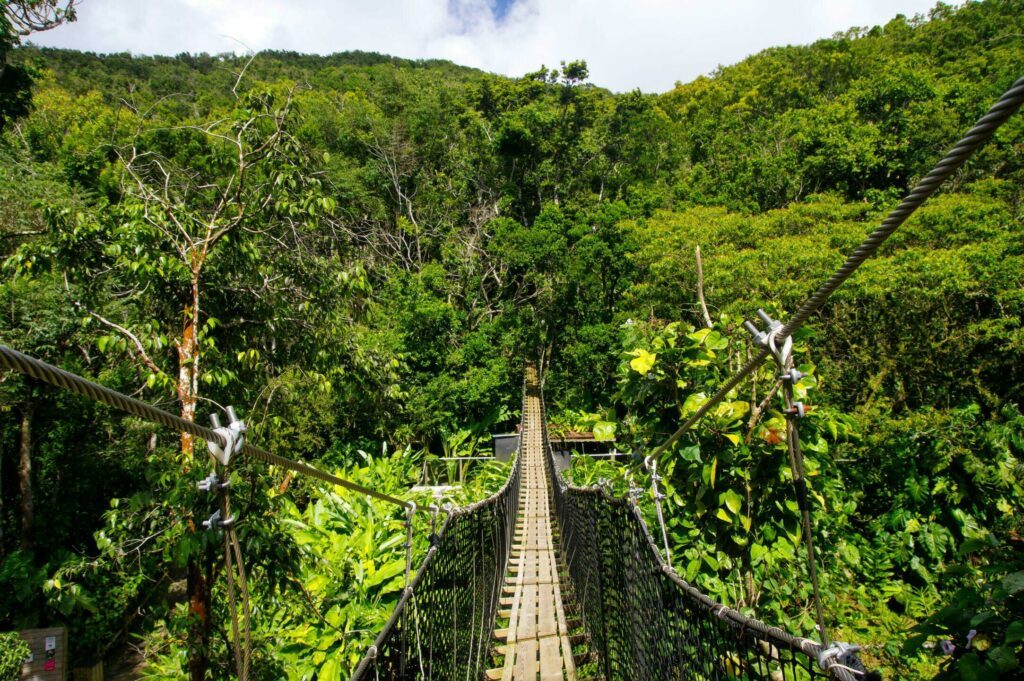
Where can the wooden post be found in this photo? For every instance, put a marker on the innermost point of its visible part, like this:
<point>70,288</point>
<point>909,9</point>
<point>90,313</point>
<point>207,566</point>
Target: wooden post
<point>93,673</point>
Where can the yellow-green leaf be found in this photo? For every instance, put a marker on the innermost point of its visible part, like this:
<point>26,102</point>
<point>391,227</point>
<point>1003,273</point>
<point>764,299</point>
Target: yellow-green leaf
<point>643,362</point>
<point>732,500</point>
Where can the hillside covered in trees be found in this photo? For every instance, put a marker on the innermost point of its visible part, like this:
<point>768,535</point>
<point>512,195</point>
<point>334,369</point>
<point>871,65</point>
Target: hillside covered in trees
<point>358,252</point>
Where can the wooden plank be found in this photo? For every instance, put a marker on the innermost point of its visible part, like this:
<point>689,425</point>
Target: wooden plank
<point>526,625</point>
<point>526,661</point>
<point>547,624</point>
<point>551,664</point>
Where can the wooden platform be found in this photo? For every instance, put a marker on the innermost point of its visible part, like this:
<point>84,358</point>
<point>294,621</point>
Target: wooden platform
<point>536,642</point>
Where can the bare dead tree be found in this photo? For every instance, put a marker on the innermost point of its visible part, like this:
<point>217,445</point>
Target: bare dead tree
<point>32,16</point>
<point>700,289</point>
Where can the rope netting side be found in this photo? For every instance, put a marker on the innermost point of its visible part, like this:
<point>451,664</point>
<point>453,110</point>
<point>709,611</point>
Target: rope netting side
<point>645,622</point>
<point>442,627</point>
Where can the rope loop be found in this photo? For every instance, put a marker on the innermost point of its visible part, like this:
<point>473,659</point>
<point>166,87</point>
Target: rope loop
<point>842,656</point>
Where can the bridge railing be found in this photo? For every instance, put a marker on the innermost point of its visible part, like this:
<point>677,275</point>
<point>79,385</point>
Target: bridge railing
<point>443,625</point>
<point>645,622</point>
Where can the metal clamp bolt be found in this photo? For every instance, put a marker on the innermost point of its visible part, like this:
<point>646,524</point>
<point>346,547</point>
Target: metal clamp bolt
<point>212,483</point>
<point>798,411</point>
<point>793,376</point>
<point>215,523</point>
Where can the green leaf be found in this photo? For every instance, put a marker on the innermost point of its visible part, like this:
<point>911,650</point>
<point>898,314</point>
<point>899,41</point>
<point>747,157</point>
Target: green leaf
<point>709,471</point>
<point>643,361</point>
<point>723,515</point>
<point>1015,632</point>
<point>715,341</point>
<point>390,570</point>
<point>330,670</point>
<point>1013,583</point>
<point>691,453</point>
<point>1003,658</point>
<point>970,667</point>
<point>604,431</point>
<point>733,500</point>
<point>851,554</point>
<point>693,403</point>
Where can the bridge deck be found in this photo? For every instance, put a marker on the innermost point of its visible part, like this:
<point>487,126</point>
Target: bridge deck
<point>537,638</point>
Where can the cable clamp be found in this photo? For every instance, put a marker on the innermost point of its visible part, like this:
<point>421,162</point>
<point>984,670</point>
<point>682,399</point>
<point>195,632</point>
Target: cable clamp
<point>634,490</point>
<point>233,434</point>
<point>798,411</point>
<point>793,376</point>
<point>215,523</point>
<point>840,654</point>
<point>769,339</point>
<point>212,483</point>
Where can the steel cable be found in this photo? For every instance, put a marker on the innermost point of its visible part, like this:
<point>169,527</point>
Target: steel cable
<point>953,160</point>
<point>30,366</point>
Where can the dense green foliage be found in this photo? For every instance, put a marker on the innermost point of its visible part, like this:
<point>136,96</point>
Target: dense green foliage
<point>357,250</point>
<point>13,651</point>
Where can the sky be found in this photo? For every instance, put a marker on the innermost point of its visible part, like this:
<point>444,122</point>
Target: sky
<point>646,44</point>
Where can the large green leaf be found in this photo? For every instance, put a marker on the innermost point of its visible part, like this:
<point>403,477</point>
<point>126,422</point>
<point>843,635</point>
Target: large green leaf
<point>732,500</point>
<point>604,431</point>
<point>643,361</point>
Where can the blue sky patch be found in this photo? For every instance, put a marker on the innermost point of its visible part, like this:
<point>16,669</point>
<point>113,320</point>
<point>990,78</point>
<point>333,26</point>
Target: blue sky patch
<point>500,8</point>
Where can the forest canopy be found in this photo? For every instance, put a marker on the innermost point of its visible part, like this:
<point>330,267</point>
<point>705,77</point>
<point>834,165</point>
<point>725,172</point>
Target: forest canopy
<point>359,252</point>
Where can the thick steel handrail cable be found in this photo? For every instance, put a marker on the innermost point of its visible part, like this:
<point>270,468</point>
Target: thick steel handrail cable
<point>40,370</point>
<point>951,162</point>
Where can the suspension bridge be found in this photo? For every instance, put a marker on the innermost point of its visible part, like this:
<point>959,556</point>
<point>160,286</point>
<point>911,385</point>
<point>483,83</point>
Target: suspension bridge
<point>545,580</point>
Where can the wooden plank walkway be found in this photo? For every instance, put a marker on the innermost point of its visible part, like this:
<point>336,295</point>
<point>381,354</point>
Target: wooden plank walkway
<point>537,640</point>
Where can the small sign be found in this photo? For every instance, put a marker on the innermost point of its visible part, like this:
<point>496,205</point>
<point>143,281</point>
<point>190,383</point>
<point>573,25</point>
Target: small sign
<point>48,660</point>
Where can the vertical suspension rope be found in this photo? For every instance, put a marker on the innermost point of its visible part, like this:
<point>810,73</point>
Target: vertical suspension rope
<point>796,464</point>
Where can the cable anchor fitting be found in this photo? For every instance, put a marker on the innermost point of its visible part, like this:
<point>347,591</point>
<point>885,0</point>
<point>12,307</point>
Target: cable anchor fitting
<point>798,411</point>
<point>634,490</point>
<point>842,655</point>
<point>793,375</point>
<point>233,434</point>
<point>212,483</point>
<point>769,339</point>
<point>216,524</point>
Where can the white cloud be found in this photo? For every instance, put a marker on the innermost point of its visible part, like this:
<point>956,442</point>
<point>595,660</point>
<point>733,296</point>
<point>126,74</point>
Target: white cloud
<point>640,43</point>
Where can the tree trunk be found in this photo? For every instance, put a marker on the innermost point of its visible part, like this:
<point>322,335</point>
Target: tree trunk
<point>186,383</point>
<point>199,627</point>
<point>25,471</point>
<point>197,585</point>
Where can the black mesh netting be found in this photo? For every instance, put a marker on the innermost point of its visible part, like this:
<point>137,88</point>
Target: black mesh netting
<point>644,622</point>
<point>442,627</point>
